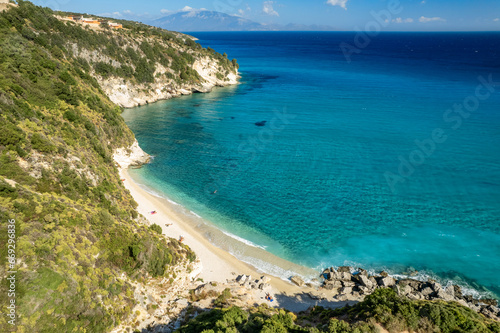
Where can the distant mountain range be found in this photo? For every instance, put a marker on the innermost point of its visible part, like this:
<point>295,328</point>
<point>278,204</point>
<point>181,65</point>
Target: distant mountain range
<point>206,20</point>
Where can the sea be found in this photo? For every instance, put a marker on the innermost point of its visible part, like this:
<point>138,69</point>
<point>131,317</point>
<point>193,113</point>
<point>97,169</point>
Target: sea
<point>380,152</point>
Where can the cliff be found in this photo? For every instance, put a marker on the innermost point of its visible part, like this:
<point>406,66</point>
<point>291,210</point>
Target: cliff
<point>139,64</point>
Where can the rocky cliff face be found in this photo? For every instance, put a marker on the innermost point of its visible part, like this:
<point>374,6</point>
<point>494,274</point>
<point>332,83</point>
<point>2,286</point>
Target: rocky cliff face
<point>130,156</point>
<point>126,94</point>
<point>177,66</point>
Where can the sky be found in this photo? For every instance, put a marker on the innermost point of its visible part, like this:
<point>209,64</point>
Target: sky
<point>350,15</point>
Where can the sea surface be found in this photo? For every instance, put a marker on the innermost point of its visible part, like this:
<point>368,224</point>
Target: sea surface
<point>388,161</point>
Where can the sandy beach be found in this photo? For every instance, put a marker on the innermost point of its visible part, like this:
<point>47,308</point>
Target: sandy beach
<point>217,264</point>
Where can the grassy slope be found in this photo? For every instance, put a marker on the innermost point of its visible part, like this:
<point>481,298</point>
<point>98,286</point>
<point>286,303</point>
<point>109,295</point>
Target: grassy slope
<point>77,227</point>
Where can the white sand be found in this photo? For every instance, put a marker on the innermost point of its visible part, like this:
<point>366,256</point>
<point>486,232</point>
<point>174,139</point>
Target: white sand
<point>217,264</point>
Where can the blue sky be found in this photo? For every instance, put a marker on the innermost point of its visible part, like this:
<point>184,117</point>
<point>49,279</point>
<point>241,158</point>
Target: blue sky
<point>400,15</point>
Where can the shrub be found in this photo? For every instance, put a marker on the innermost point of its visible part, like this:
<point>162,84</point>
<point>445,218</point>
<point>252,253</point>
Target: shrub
<point>10,134</point>
<point>7,191</point>
<point>42,144</point>
<point>223,298</point>
<point>156,228</point>
<point>70,115</point>
<point>104,69</point>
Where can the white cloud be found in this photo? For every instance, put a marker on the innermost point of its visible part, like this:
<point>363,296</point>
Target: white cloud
<point>190,11</point>
<point>242,12</point>
<point>119,14</point>
<point>165,11</point>
<point>401,20</point>
<point>423,2</point>
<point>268,8</point>
<point>424,19</point>
<point>496,20</point>
<point>340,3</point>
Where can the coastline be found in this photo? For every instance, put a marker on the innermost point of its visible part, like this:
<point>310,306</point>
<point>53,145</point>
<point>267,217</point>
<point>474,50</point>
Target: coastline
<point>217,264</point>
<point>216,267</point>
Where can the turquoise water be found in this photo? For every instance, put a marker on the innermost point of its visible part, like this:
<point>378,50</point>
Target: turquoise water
<point>318,184</point>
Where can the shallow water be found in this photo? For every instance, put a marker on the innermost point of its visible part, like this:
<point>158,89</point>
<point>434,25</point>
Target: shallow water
<point>311,185</point>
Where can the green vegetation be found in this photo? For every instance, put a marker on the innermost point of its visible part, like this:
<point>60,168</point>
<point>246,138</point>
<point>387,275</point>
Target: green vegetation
<point>383,307</point>
<point>132,53</point>
<point>77,228</point>
<point>156,228</point>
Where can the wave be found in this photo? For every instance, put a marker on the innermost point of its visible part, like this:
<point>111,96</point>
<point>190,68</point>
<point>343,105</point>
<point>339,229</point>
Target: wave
<point>193,213</point>
<point>148,190</point>
<point>244,241</point>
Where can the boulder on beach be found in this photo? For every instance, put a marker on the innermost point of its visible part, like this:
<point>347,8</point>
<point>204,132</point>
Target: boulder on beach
<point>386,281</point>
<point>362,280</point>
<point>331,284</point>
<point>297,280</point>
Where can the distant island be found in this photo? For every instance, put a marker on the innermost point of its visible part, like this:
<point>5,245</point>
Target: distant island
<point>207,20</point>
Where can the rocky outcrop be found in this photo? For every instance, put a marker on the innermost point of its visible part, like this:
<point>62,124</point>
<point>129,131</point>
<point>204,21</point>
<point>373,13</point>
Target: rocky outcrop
<point>131,156</point>
<point>37,162</point>
<point>247,282</point>
<point>347,283</point>
<point>125,94</point>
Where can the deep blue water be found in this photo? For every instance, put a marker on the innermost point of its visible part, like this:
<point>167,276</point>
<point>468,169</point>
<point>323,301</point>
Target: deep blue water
<point>319,183</point>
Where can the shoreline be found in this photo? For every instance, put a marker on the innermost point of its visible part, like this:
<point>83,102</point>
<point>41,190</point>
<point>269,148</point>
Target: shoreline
<point>214,264</point>
<point>217,264</point>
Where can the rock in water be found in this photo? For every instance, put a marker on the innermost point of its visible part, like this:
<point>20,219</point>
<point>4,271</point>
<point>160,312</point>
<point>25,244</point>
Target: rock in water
<point>261,123</point>
<point>458,291</point>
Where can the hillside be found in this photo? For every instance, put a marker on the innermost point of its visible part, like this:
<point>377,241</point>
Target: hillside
<point>79,241</point>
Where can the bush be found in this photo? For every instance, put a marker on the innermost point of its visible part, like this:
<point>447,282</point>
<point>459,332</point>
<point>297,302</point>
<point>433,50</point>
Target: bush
<point>70,115</point>
<point>156,228</point>
<point>223,298</point>
<point>42,144</point>
<point>10,134</point>
<point>7,191</point>
<point>104,69</point>
<point>144,71</point>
